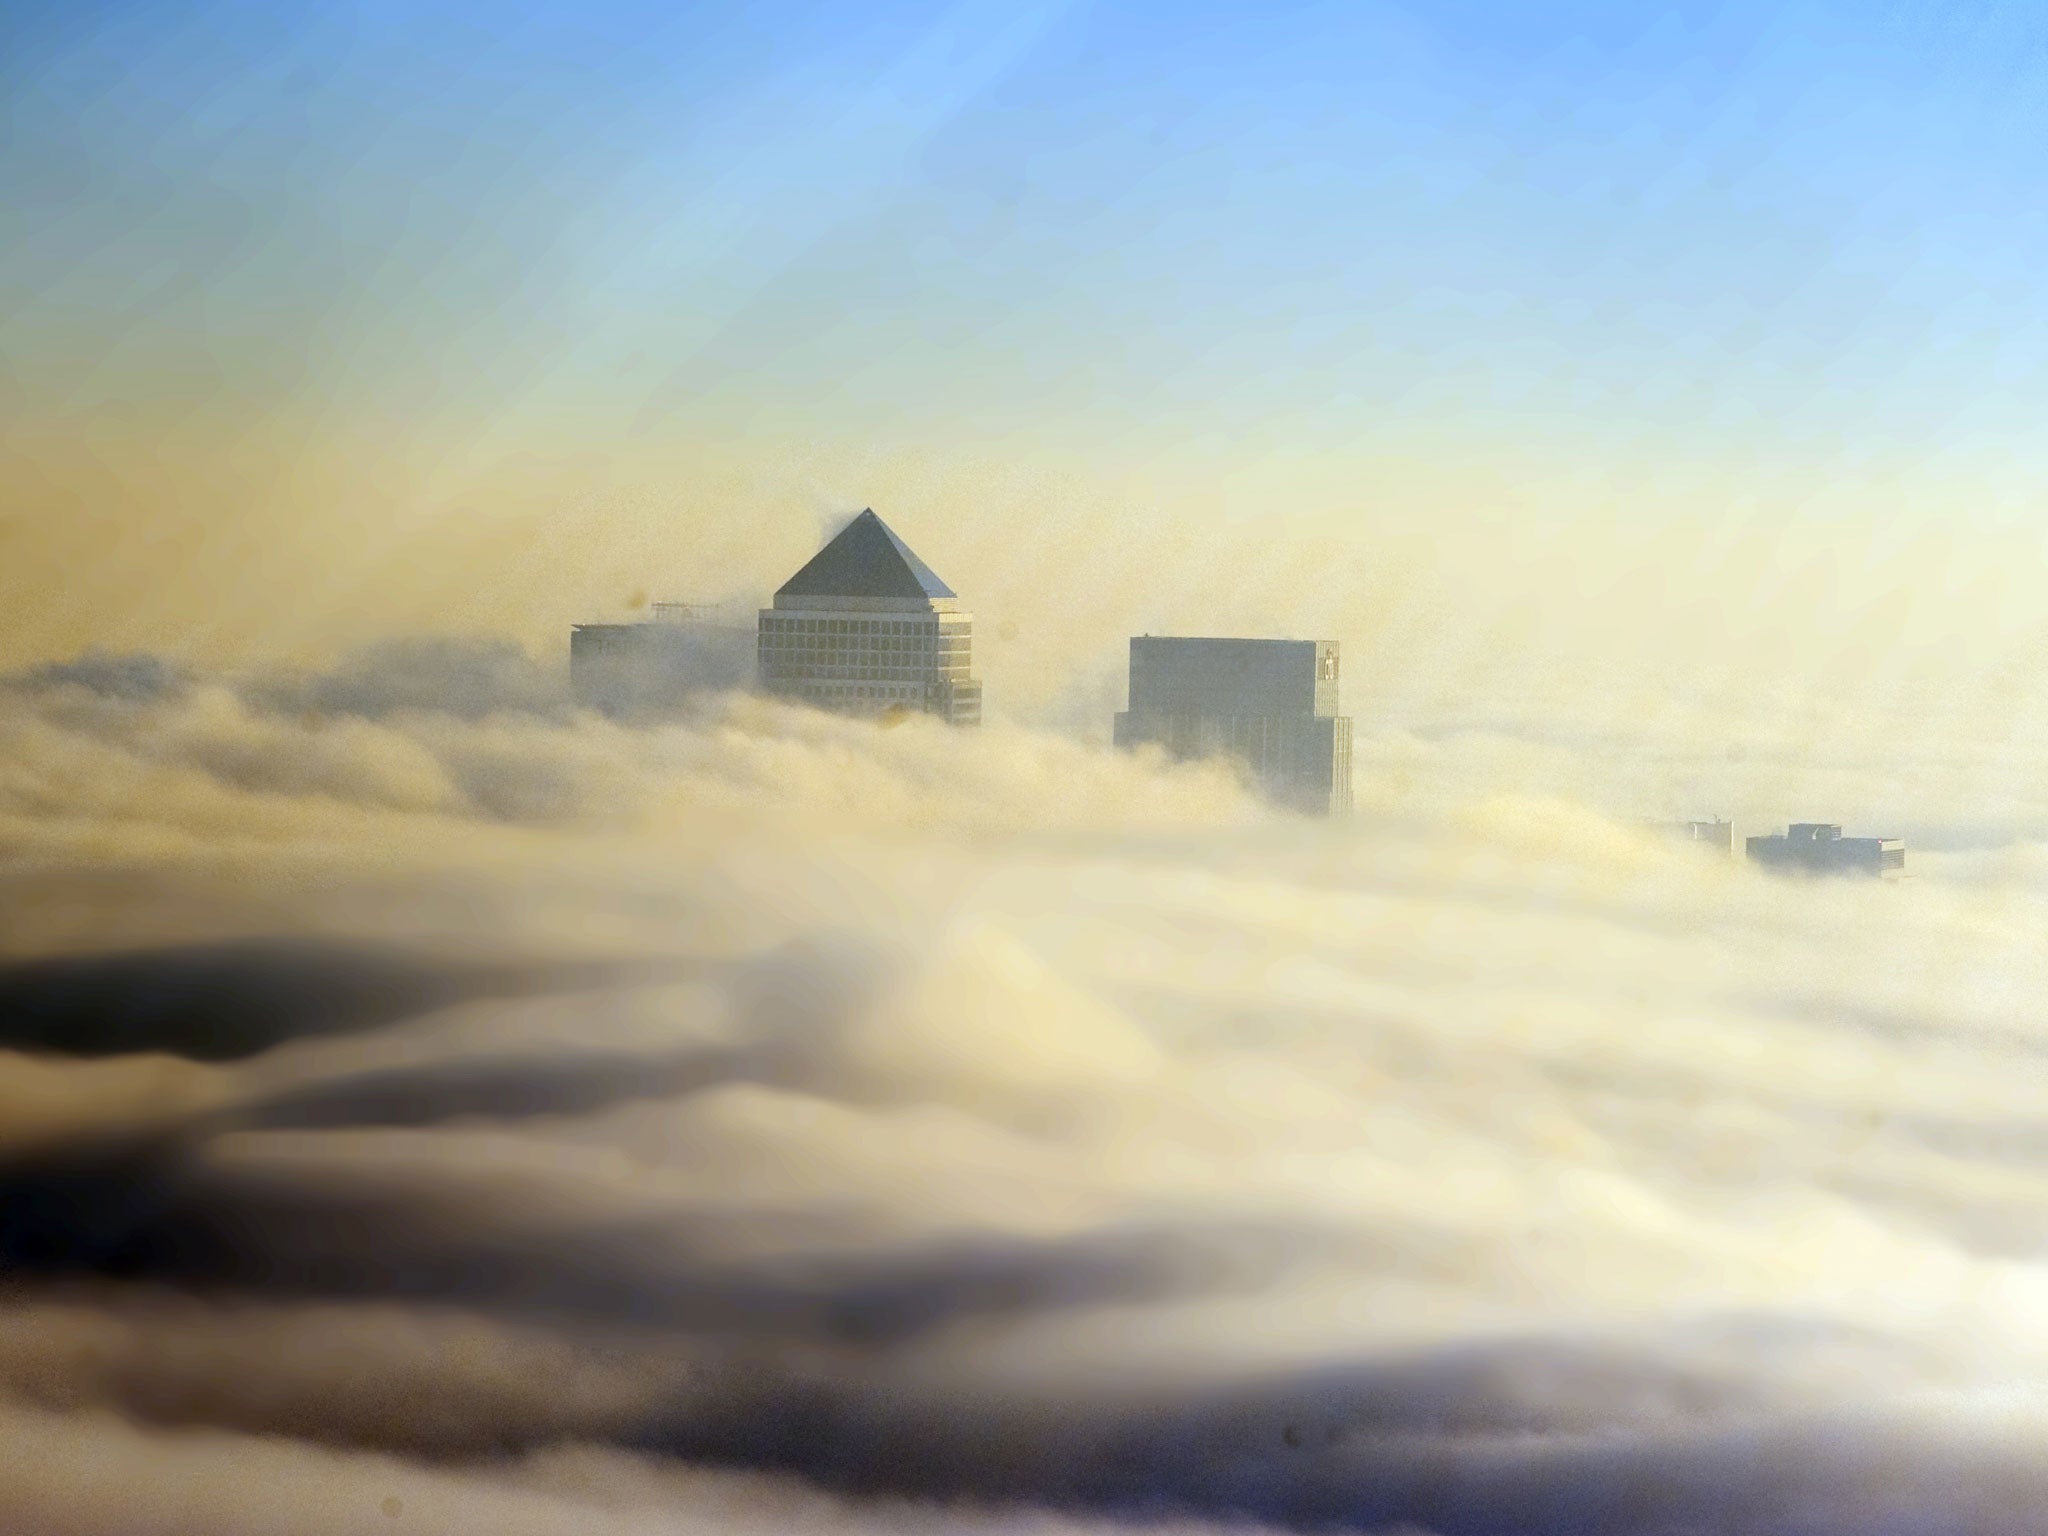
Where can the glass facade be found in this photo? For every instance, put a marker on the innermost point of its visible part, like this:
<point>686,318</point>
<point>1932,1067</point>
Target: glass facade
<point>869,663</point>
<point>868,628</point>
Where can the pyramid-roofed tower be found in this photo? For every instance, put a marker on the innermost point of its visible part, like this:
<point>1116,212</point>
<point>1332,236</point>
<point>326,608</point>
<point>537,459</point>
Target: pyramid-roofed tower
<point>866,627</point>
<point>865,559</point>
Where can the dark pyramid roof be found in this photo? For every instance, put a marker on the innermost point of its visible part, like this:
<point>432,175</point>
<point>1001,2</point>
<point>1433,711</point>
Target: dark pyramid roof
<point>865,559</point>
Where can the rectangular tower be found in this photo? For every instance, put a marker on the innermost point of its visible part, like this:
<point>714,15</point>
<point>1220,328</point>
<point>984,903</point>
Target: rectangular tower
<point>1270,704</point>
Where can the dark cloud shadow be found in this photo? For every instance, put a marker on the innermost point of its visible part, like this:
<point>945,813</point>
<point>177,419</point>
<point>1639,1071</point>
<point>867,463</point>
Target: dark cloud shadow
<point>1504,1436</point>
<point>1501,1437</point>
<point>521,1087</point>
<point>77,1210</point>
<point>156,1211</point>
<point>221,1002</point>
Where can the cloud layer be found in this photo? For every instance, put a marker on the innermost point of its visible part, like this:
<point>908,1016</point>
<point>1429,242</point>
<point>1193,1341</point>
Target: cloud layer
<point>424,1106</point>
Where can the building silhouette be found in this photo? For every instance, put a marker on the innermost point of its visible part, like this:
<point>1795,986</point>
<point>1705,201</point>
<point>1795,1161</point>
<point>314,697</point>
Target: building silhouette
<point>1818,848</point>
<point>658,665</point>
<point>1715,834</point>
<point>867,628</point>
<point>1269,704</point>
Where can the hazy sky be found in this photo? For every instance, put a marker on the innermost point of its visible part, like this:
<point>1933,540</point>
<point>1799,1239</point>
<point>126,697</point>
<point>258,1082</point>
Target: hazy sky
<point>1536,334</point>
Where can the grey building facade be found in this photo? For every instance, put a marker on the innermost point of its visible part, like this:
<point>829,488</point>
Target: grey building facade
<point>867,628</point>
<point>658,665</point>
<point>1818,848</point>
<point>1270,704</point>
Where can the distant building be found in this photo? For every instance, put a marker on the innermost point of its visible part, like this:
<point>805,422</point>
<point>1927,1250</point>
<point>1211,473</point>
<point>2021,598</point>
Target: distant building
<point>867,628</point>
<point>1270,704</point>
<point>658,665</point>
<point>1818,848</point>
<point>1716,834</point>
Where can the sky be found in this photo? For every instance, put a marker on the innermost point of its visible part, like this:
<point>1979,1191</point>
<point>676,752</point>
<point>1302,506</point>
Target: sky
<point>1696,335</point>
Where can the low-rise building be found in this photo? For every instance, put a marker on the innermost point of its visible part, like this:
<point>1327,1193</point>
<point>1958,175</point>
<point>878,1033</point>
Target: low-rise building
<point>1818,848</point>
<point>658,665</point>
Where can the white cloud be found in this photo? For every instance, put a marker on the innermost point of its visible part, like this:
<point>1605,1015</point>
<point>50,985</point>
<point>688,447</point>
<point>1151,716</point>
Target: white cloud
<point>1011,1123</point>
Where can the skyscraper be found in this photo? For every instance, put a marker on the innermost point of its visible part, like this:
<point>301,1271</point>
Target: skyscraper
<point>1271,704</point>
<point>866,627</point>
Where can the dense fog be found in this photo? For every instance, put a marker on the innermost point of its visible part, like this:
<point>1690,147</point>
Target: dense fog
<point>429,1107</point>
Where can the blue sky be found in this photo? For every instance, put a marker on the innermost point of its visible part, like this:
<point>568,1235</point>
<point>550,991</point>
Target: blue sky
<point>1740,219</point>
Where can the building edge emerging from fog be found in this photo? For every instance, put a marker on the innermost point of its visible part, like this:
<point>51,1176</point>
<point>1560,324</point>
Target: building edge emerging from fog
<point>1818,848</point>
<point>657,665</point>
<point>867,628</point>
<point>1269,704</point>
<point>1713,834</point>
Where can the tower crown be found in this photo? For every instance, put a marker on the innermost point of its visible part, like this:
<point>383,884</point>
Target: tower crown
<point>865,559</point>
